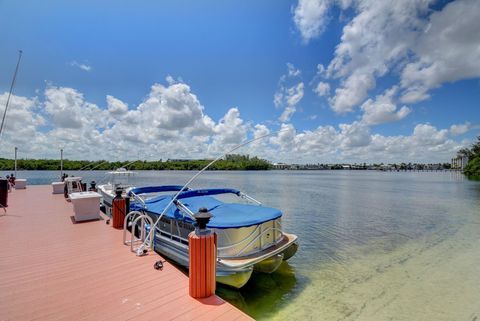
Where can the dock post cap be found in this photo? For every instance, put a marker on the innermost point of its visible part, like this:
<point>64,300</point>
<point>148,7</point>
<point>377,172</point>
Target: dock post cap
<point>118,193</point>
<point>202,217</point>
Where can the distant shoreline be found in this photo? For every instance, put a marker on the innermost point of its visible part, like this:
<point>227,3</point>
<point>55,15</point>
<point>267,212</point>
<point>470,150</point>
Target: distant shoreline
<point>231,162</point>
<point>240,170</point>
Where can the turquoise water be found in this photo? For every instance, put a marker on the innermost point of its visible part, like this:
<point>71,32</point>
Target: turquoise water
<point>373,245</point>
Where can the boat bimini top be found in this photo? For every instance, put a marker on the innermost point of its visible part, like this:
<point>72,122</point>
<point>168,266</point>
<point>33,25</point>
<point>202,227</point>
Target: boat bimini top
<point>225,215</point>
<point>121,172</point>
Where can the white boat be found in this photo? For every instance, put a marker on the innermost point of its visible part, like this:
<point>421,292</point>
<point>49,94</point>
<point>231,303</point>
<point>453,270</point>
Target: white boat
<point>118,179</point>
<point>73,184</point>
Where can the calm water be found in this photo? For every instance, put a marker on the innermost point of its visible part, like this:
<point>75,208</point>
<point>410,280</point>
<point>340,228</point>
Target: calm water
<point>373,245</point>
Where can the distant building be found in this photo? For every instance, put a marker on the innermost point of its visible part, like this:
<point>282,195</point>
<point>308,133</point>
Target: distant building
<point>459,162</point>
<point>281,166</point>
<point>295,166</point>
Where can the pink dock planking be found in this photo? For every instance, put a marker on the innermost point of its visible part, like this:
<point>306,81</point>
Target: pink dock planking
<point>53,269</point>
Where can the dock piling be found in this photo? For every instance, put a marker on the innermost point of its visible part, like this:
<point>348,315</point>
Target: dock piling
<point>203,256</point>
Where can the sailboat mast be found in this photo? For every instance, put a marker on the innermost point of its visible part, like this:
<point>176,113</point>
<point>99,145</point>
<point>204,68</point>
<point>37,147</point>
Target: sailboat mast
<point>16,149</point>
<point>61,163</point>
<point>11,90</point>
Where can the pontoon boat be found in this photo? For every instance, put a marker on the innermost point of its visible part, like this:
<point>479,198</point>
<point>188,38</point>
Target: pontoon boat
<point>250,236</point>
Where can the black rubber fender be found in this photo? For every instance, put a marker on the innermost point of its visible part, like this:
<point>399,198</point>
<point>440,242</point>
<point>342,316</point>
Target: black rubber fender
<point>158,265</point>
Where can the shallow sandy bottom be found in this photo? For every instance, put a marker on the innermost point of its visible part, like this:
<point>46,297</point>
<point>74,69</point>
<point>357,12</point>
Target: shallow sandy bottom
<point>434,278</point>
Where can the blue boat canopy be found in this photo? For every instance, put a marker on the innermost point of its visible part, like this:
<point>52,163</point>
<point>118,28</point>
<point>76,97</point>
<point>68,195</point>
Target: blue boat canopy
<point>225,215</point>
<point>155,189</point>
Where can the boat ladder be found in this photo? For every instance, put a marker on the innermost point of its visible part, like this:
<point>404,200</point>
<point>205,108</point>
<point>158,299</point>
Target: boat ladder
<point>141,222</point>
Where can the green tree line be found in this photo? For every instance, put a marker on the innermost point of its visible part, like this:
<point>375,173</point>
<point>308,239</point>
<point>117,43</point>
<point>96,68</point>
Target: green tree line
<point>230,162</point>
<point>472,170</point>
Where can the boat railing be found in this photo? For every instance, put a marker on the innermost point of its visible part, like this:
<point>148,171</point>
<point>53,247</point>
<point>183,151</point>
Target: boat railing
<point>249,198</point>
<point>254,236</point>
<point>187,211</point>
<point>184,209</point>
<point>216,191</point>
<point>172,236</point>
<point>207,192</point>
<point>129,218</point>
<point>142,221</point>
<point>138,199</point>
<point>136,193</point>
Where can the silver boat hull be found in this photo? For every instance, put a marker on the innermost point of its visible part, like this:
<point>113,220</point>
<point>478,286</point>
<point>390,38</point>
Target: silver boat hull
<point>234,269</point>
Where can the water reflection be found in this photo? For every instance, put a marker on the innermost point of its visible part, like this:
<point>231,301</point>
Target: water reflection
<point>264,293</point>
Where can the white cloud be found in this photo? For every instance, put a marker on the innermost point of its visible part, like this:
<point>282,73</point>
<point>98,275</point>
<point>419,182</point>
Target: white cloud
<point>371,44</point>
<point>21,122</point>
<point>426,144</point>
<point>448,50</point>
<point>169,79</point>
<point>322,89</point>
<point>40,126</point>
<point>260,130</point>
<point>414,94</point>
<point>174,108</point>
<point>354,143</point>
<point>310,17</point>
<point>278,99</point>
<point>68,109</point>
<point>383,109</point>
<point>294,94</point>
<point>287,114</point>
<point>82,66</point>
<point>352,93</point>
<point>355,134</point>
<point>292,71</point>
<point>423,47</point>
<point>289,93</point>
<point>170,121</point>
<point>230,130</point>
<point>428,135</point>
<point>321,70</point>
<point>116,107</point>
<point>285,138</point>
<point>319,143</point>
<point>460,129</point>
<point>257,147</point>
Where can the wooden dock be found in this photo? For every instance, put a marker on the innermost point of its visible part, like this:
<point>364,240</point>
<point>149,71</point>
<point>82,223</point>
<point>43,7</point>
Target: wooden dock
<point>54,269</point>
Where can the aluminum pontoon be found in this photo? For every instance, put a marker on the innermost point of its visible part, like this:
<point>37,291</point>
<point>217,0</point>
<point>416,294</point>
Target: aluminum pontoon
<point>250,236</point>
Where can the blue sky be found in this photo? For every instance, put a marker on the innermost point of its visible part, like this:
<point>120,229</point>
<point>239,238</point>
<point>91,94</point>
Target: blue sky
<point>398,82</point>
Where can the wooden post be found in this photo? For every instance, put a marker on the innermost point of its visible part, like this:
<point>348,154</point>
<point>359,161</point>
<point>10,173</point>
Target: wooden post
<point>202,244</point>
<point>119,210</point>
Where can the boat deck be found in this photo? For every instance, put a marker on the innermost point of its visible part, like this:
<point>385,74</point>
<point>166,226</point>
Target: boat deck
<point>54,269</point>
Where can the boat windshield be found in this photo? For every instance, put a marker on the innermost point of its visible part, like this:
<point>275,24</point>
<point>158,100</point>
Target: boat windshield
<point>120,177</point>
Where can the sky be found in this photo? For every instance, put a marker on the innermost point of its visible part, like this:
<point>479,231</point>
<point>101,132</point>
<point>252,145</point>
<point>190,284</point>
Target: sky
<point>325,81</point>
